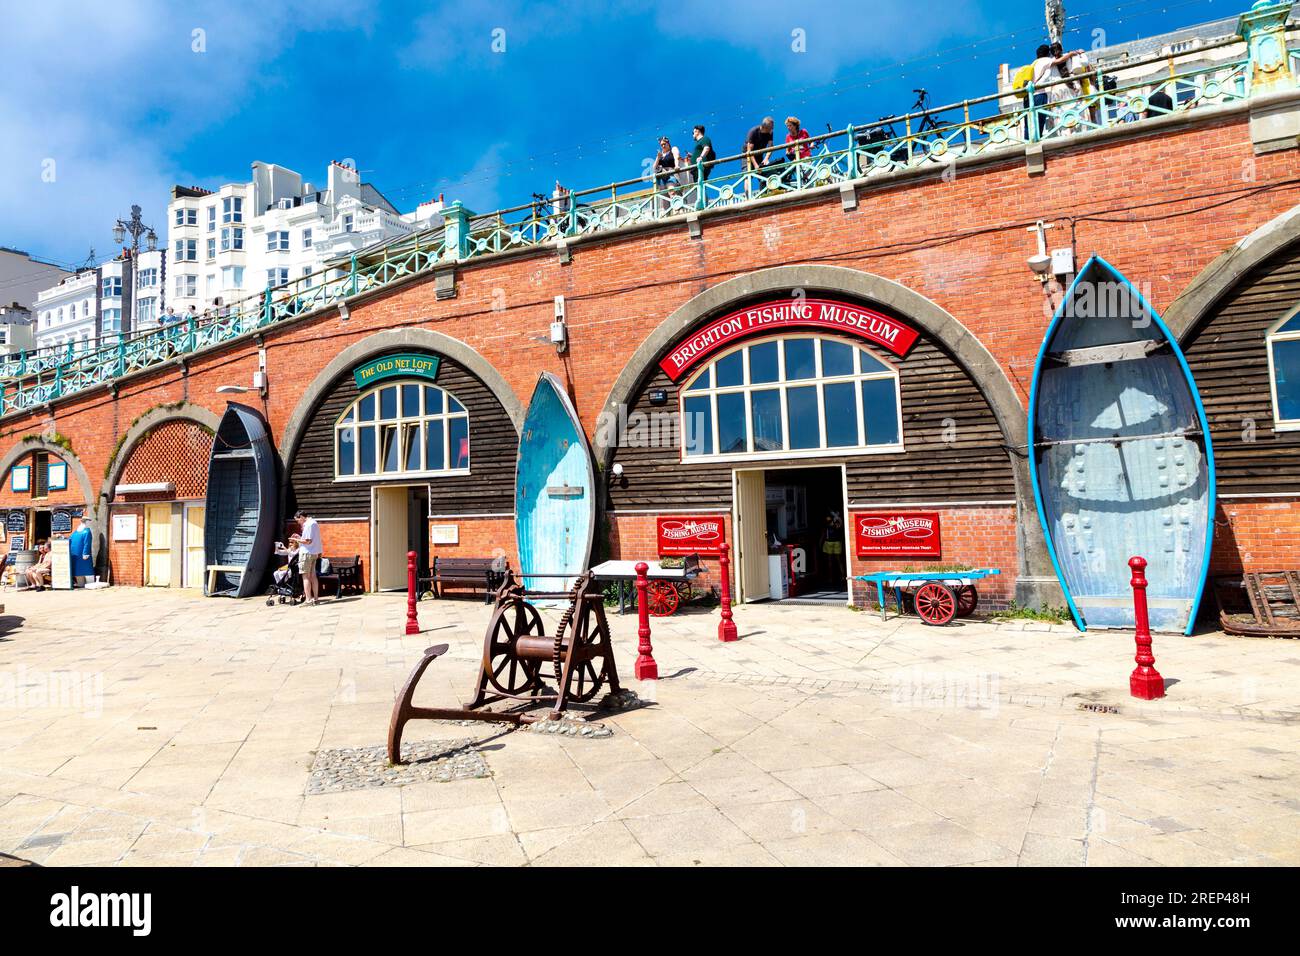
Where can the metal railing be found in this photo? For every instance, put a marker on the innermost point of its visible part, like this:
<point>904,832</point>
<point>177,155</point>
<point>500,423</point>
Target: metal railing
<point>931,139</point>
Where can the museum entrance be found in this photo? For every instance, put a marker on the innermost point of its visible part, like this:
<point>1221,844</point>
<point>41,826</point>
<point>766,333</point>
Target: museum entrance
<point>790,535</point>
<point>399,524</point>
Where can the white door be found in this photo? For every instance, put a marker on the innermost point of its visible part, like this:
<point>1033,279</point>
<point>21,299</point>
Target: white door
<point>390,539</point>
<point>194,517</point>
<point>158,545</point>
<point>751,535</point>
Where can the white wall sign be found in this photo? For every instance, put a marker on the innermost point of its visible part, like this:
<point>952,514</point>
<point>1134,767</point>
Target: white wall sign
<point>124,527</point>
<point>444,534</point>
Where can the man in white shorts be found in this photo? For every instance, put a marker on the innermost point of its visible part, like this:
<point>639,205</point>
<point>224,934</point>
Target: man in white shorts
<point>309,552</point>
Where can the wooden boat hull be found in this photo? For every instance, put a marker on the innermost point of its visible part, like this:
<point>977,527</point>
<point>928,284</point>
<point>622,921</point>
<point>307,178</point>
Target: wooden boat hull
<point>555,499</point>
<point>241,517</point>
<point>1120,457</point>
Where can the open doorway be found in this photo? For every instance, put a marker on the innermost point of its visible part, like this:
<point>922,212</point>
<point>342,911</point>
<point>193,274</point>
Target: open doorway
<point>399,525</point>
<point>791,535</point>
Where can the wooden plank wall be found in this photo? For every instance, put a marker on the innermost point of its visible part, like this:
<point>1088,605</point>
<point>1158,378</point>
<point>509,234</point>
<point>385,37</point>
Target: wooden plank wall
<point>1229,361</point>
<point>954,449</point>
<point>487,489</point>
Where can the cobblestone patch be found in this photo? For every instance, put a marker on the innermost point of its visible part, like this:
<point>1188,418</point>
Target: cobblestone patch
<point>358,768</point>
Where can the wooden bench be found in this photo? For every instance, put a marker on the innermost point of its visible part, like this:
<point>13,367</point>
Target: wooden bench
<point>215,569</point>
<point>344,574</point>
<point>486,573</point>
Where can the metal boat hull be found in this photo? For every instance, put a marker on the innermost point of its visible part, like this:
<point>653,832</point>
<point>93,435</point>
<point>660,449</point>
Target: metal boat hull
<point>1120,456</point>
<point>241,518</point>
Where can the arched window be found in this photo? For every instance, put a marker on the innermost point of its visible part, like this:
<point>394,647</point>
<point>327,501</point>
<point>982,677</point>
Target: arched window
<point>1284,370</point>
<point>402,430</point>
<point>791,397</point>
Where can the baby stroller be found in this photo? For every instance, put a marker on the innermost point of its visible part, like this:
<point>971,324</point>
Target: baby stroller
<point>286,584</point>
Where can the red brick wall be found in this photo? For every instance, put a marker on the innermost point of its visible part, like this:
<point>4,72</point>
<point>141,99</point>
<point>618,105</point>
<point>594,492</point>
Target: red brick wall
<point>1256,535</point>
<point>620,289</point>
<point>980,537</point>
<point>126,558</point>
<point>632,537</point>
<point>479,538</point>
<point>72,495</point>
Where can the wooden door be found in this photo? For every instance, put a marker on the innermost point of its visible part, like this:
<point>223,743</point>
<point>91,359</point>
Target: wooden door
<point>194,518</point>
<point>158,545</point>
<point>751,535</point>
<point>390,539</point>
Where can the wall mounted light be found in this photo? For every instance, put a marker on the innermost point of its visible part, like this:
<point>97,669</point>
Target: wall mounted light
<point>1040,263</point>
<point>559,331</point>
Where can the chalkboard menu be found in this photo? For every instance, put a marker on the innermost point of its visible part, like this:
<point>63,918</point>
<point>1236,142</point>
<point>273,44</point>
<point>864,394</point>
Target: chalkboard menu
<point>17,542</point>
<point>60,521</point>
<point>16,522</point>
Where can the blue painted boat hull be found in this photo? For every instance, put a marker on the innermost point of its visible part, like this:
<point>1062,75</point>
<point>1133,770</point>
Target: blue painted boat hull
<point>555,499</point>
<point>1121,458</point>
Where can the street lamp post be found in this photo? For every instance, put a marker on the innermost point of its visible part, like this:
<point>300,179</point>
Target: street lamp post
<point>135,228</point>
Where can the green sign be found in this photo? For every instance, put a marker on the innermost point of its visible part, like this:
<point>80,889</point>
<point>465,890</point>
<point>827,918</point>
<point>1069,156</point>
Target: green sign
<point>396,366</point>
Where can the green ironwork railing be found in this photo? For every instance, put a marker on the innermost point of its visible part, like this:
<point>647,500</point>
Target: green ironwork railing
<point>858,152</point>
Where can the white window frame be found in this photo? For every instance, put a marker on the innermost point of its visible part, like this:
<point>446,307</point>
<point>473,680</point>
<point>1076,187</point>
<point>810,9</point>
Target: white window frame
<point>1273,334</point>
<point>277,241</point>
<point>782,384</point>
<point>399,421</point>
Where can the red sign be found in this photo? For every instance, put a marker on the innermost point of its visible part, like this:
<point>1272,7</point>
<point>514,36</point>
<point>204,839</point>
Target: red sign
<point>882,534</point>
<point>690,534</point>
<point>789,313</point>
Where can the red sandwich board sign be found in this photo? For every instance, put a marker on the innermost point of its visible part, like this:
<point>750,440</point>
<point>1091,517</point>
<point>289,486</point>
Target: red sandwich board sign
<point>782,314</point>
<point>690,534</point>
<point>898,534</point>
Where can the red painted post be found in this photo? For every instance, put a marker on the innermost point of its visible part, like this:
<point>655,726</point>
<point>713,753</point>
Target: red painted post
<point>412,622</point>
<point>646,668</point>
<point>726,627</point>
<point>1145,683</point>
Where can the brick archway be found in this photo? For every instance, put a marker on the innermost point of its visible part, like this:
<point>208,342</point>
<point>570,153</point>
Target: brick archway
<point>1036,581</point>
<point>1219,278</point>
<point>28,445</point>
<point>142,427</point>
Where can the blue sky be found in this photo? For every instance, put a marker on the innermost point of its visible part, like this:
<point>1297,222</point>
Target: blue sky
<point>112,102</point>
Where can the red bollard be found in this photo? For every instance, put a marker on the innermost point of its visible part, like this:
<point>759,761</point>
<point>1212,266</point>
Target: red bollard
<point>1145,683</point>
<point>646,668</point>
<point>726,627</point>
<point>412,622</point>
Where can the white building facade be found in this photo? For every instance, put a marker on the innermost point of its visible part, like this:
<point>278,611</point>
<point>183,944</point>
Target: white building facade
<point>90,308</point>
<point>235,242</point>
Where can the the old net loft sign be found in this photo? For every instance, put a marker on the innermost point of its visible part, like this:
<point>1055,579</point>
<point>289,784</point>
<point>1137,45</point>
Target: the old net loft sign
<point>784,314</point>
<point>396,366</point>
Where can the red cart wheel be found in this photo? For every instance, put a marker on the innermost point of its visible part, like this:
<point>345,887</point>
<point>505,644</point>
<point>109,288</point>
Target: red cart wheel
<point>663,599</point>
<point>967,600</point>
<point>935,603</point>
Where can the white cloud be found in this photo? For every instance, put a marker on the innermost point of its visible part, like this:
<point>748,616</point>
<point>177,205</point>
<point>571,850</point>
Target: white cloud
<point>110,92</point>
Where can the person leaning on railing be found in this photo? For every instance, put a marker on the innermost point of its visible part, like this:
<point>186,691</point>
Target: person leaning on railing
<point>758,143</point>
<point>702,155</point>
<point>796,148</point>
